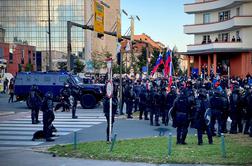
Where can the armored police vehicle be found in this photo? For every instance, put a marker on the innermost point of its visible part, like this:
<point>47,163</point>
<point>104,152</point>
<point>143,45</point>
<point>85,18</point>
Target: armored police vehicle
<point>90,94</point>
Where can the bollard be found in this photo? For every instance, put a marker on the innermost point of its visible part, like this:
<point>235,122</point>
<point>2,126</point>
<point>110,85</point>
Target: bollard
<point>169,144</point>
<point>113,143</point>
<point>223,149</point>
<point>75,140</point>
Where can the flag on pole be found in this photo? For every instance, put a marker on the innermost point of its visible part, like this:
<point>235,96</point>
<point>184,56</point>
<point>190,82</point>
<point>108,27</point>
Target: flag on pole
<point>158,63</point>
<point>167,62</point>
<point>170,71</point>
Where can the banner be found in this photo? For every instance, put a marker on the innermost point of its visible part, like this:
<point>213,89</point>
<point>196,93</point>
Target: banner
<point>98,17</point>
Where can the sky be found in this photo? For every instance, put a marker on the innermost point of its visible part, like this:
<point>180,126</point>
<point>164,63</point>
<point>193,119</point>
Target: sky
<point>162,20</point>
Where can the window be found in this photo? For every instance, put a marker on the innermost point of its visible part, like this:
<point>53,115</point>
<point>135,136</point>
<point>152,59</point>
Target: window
<point>225,15</point>
<point>206,18</point>
<point>10,57</point>
<point>22,57</point>
<point>1,53</point>
<point>224,37</point>
<point>206,39</point>
<point>29,57</point>
<point>238,11</point>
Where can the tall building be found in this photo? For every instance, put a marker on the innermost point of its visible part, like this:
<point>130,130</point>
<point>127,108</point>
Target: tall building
<point>222,32</point>
<point>26,21</point>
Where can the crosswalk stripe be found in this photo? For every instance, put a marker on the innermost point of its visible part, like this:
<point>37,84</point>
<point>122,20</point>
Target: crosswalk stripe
<point>40,125</point>
<point>63,120</point>
<point>20,143</point>
<point>37,128</point>
<point>26,132</point>
<point>56,122</point>
<point>11,137</point>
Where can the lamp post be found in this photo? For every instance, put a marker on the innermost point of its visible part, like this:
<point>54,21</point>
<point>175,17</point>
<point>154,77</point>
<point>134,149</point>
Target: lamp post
<point>49,33</point>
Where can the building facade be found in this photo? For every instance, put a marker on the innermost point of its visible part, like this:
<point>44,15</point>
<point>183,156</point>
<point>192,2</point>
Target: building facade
<point>18,57</point>
<point>222,32</point>
<point>26,21</point>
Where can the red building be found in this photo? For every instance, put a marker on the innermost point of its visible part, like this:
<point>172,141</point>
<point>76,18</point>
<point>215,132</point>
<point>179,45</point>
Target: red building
<point>19,57</point>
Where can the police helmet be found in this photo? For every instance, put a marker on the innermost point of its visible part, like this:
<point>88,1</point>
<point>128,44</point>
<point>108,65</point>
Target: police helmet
<point>49,95</point>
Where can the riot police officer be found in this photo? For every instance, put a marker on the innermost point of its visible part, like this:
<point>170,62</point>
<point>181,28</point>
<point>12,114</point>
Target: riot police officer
<point>48,116</point>
<point>202,104</point>
<point>248,126</point>
<point>235,111</point>
<point>218,104</point>
<point>130,97</point>
<point>180,114</point>
<point>170,98</point>
<point>75,91</point>
<point>143,103</point>
<point>155,111</point>
<point>35,101</point>
<point>65,93</point>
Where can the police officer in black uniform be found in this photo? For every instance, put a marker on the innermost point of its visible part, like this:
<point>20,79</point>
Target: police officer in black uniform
<point>180,114</point>
<point>248,105</point>
<point>202,104</point>
<point>218,104</point>
<point>130,97</point>
<point>235,111</point>
<point>65,93</point>
<point>170,98</point>
<point>35,103</point>
<point>143,103</point>
<point>48,116</point>
<point>75,92</point>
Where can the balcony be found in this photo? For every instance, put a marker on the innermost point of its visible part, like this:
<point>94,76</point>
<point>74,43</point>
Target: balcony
<point>233,23</point>
<point>217,46</point>
<point>211,5</point>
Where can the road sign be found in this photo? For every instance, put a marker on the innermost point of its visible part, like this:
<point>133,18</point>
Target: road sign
<point>98,17</point>
<point>109,89</point>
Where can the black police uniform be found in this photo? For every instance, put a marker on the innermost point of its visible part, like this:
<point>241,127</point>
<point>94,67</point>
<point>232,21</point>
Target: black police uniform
<point>170,98</point>
<point>248,126</point>
<point>130,96</point>
<point>218,104</point>
<point>65,102</point>
<point>48,116</point>
<point>35,103</point>
<point>235,111</point>
<point>199,119</point>
<point>143,104</point>
<point>75,92</point>
<point>180,114</point>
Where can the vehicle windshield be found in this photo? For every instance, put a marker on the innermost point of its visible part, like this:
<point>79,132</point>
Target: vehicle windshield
<point>77,80</point>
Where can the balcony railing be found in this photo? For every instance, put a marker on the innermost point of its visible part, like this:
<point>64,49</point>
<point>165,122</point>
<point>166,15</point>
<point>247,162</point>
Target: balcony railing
<point>236,21</point>
<point>217,45</point>
<point>211,5</point>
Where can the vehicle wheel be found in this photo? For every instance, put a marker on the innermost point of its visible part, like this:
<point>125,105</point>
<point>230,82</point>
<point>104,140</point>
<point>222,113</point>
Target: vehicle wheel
<point>88,101</point>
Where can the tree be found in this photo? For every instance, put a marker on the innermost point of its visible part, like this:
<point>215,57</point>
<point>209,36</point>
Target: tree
<point>142,59</point>
<point>99,60</point>
<point>78,66</point>
<point>29,67</point>
<point>62,65</point>
<point>20,67</point>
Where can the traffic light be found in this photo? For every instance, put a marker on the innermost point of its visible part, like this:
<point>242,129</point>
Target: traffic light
<point>100,35</point>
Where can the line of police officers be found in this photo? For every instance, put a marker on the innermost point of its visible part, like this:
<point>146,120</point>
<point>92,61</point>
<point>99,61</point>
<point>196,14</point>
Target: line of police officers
<point>199,107</point>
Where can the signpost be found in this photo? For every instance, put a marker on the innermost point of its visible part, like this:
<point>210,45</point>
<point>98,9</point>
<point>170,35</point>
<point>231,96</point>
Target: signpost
<point>109,91</point>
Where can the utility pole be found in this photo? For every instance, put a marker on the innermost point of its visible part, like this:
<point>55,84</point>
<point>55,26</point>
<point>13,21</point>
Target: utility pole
<point>49,33</point>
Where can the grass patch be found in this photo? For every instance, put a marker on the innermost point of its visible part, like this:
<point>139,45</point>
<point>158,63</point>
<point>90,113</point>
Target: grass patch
<point>154,150</point>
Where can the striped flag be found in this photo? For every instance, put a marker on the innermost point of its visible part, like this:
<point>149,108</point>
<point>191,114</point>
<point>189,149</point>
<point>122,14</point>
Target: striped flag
<point>158,63</point>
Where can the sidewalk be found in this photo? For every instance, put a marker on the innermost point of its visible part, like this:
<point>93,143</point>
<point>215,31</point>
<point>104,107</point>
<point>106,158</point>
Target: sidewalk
<point>28,157</point>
